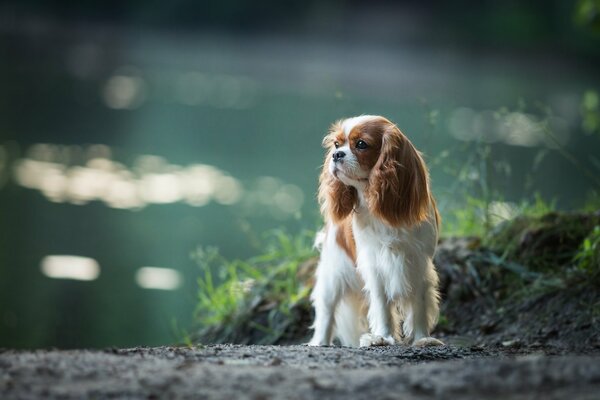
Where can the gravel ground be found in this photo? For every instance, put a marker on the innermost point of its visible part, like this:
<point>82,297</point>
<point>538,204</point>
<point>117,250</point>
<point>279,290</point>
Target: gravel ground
<point>297,372</point>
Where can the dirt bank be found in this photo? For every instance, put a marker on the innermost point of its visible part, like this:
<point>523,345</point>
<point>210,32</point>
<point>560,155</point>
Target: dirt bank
<point>528,282</point>
<point>297,372</point>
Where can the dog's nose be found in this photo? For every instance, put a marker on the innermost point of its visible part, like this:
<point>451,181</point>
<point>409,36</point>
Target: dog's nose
<point>338,155</point>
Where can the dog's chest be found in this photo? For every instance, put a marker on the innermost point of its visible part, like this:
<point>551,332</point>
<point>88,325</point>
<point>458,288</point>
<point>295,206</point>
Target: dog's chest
<point>371,233</point>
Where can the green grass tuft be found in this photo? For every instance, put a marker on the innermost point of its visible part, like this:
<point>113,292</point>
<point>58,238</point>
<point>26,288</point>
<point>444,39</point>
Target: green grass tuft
<point>255,297</point>
<point>587,258</point>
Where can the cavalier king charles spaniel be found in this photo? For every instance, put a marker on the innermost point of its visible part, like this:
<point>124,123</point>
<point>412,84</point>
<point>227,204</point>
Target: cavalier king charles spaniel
<point>376,284</point>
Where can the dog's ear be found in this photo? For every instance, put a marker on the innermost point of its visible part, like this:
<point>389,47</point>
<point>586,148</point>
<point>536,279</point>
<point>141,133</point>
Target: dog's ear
<point>336,199</point>
<point>398,188</point>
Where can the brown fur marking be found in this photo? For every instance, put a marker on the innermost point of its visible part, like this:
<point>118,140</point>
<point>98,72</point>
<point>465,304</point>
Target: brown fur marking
<point>371,132</point>
<point>398,189</point>
<point>345,238</point>
<point>337,200</point>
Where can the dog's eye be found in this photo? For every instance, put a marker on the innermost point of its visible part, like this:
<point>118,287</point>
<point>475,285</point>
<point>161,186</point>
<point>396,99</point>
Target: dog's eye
<point>336,144</point>
<point>361,144</point>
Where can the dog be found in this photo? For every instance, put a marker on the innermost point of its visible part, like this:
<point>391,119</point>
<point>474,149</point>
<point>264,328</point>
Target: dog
<point>376,284</point>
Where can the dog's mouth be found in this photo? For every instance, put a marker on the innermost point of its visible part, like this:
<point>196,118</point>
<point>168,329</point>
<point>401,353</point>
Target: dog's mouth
<point>338,171</point>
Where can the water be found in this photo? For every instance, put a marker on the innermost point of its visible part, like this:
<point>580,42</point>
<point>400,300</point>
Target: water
<point>132,148</point>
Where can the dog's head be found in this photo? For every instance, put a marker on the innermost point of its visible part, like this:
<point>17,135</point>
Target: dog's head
<point>368,159</point>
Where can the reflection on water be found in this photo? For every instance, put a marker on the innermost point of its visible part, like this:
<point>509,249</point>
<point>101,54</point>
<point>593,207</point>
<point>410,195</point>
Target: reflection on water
<point>128,88</point>
<point>52,170</point>
<point>152,180</point>
<point>158,278</point>
<point>512,128</point>
<point>70,267</point>
<point>87,269</point>
<point>273,197</point>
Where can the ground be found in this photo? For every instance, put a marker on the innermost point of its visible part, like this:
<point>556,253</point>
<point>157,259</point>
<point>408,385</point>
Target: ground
<point>298,372</point>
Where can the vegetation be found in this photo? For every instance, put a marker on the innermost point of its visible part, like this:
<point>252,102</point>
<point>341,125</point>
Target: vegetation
<point>265,299</point>
<point>255,300</point>
<point>588,257</point>
<point>543,243</point>
<point>485,175</point>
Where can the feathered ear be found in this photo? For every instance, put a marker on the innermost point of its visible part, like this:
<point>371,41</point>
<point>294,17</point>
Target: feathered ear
<point>336,199</point>
<point>398,189</point>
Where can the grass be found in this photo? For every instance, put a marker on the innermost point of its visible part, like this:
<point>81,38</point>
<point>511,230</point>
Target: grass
<point>479,217</point>
<point>484,174</point>
<point>542,243</point>
<point>587,259</point>
<point>270,285</point>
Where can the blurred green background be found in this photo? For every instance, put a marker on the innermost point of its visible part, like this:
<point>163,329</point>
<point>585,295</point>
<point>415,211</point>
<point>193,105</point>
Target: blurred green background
<point>133,132</point>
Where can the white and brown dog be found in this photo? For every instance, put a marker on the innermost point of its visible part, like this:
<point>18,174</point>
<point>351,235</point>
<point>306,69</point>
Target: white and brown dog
<point>381,230</point>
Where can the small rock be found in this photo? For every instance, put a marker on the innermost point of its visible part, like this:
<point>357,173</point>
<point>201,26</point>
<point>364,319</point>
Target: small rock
<point>275,361</point>
<point>511,343</point>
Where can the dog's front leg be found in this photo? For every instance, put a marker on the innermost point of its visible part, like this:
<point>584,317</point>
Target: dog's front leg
<point>323,325</point>
<point>379,315</point>
<point>325,297</point>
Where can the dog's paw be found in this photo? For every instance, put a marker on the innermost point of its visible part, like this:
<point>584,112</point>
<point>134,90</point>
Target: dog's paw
<point>428,342</point>
<point>370,340</point>
<point>316,343</point>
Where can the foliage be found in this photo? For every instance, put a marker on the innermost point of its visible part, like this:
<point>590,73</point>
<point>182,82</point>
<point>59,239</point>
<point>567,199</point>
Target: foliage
<point>478,217</point>
<point>543,243</point>
<point>587,14</point>
<point>484,175</point>
<point>271,284</point>
<point>587,258</point>
<point>590,112</point>
<point>592,202</point>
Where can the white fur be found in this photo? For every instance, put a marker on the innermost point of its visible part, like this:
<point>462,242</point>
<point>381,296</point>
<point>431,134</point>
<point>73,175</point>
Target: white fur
<point>337,282</point>
<point>350,123</point>
<point>348,169</point>
<point>396,266</point>
<point>394,278</point>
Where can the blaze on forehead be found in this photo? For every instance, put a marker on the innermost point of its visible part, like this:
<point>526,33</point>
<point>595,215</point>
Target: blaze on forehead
<point>349,124</point>
<point>370,131</point>
<point>353,128</point>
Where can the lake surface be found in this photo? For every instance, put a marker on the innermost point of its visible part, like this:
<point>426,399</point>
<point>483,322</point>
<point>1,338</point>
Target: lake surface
<point>129,149</point>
